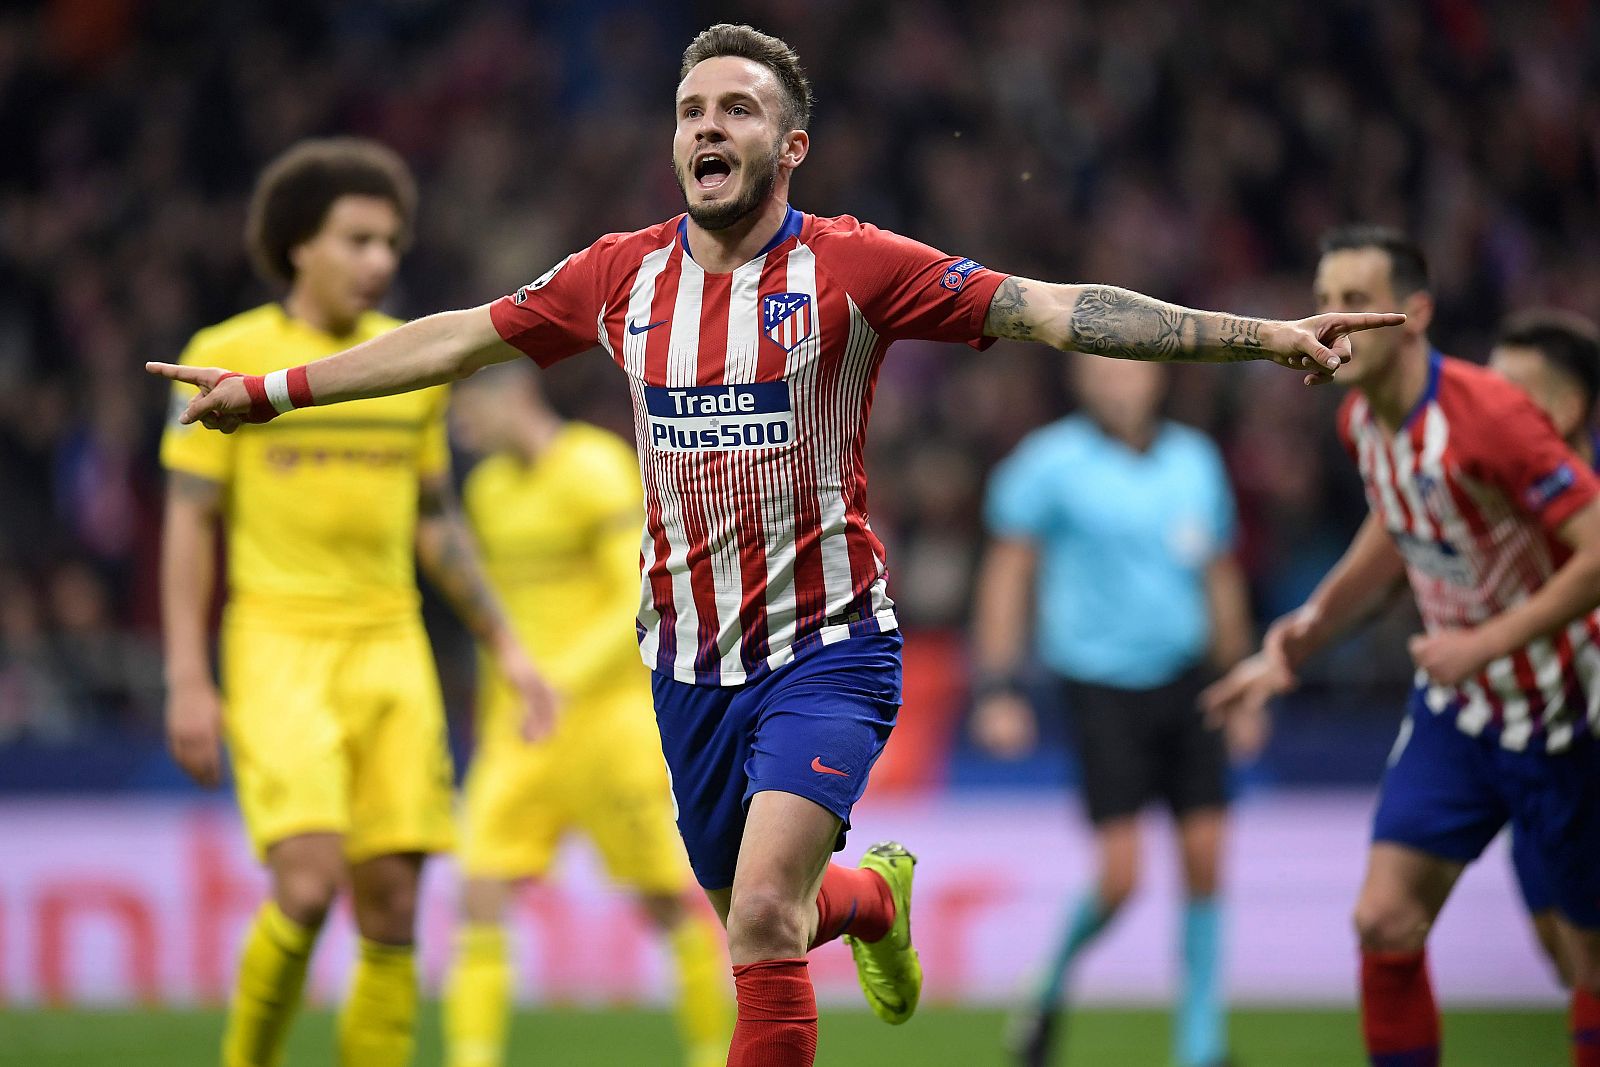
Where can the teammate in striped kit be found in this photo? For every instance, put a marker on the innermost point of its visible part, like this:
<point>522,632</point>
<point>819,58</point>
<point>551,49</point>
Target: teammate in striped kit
<point>1554,357</point>
<point>1476,500</point>
<point>751,335</point>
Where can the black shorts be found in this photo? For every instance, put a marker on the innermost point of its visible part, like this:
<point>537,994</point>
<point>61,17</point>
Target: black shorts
<point>1139,745</point>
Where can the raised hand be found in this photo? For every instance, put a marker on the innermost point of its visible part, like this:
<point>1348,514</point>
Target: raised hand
<point>223,402</point>
<point>1321,343</point>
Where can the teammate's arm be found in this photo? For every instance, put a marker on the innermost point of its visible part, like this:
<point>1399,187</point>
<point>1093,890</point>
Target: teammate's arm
<point>1359,585</point>
<point>1452,656</point>
<point>1002,720</point>
<point>188,576</point>
<point>449,558</point>
<point>1107,321</point>
<point>428,351</point>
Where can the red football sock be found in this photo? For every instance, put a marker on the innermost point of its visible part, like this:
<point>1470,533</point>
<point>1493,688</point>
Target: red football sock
<point>853,901</point>
<point>1585,1029</point>
<point>1398,1016</point>
<point>777,1024</point>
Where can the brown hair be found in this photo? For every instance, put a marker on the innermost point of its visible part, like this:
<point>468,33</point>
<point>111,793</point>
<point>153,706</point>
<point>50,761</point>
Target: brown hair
<point>745,42</point>
<point>295,192</point>
<point>1567,340</point>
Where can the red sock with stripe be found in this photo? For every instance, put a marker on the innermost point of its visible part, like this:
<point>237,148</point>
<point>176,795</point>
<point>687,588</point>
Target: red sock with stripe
<point>854,901</point>
<point>1398,1017</point>
<point>1585,1029</point>
<point>777,1025</point>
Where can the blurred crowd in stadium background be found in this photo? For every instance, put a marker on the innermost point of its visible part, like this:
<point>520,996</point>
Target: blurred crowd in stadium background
<point>1190,150</point>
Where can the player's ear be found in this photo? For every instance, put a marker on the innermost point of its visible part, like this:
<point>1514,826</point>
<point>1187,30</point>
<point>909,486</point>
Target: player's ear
<point>796,143</point>
<point>1418,308</point>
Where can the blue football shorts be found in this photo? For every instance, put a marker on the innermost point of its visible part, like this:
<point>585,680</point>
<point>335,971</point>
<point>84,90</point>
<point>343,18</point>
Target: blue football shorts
<point>1448,794</point>
<point>814,727</point>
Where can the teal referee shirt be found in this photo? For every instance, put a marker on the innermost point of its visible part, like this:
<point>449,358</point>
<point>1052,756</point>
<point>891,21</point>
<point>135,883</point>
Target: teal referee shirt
<point>1124,540</point>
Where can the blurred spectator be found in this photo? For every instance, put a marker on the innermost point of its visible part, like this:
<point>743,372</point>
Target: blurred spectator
<point>1169,147</point>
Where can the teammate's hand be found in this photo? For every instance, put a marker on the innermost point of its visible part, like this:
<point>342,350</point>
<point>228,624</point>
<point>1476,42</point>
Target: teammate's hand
<point>222,403</point>
<point>539,702</point>
<point>1237,702</point>
<point>1290,639</point>
<point>194,730</point>
<point>1004,725</point>
<point>1321,343</point>
<point>1450,657</point>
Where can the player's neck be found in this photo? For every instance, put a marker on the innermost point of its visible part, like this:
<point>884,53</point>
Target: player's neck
<point>1393,395</point>
<point>535,435</point>
<point>1137,437</point>
<point>725,250</point>
<point>302,308</point>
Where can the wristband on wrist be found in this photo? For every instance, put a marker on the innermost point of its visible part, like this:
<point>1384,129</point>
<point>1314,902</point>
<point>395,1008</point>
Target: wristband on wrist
<point>273,394</point>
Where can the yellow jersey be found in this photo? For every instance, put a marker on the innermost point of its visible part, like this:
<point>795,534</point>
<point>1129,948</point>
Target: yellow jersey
<point>320,504</point>
<point>559,539</point>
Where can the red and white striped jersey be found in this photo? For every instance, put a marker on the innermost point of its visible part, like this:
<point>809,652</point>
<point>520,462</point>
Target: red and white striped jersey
<point>1473,488</point>
<point>750,396</point>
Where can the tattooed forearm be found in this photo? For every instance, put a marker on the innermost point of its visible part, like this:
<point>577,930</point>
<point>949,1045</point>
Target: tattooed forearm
<point>1240,338</point>
<point>452,565</point>
<point>1116,322</point>
<point>448,556</point>
<point>1007,313</point>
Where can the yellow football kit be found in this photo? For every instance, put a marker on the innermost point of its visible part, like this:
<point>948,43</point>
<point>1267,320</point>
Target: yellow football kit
<point>332,708</point>
<point>560,542</point>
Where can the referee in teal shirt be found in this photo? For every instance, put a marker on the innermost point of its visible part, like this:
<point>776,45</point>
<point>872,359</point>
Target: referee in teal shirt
<point>1116,527</point>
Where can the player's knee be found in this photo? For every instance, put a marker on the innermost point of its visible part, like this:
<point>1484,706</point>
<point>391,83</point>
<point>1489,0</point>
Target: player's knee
<point>387,911</point>
<point>305,895</point>
<point>1388,924</point>
<point>766,924</point>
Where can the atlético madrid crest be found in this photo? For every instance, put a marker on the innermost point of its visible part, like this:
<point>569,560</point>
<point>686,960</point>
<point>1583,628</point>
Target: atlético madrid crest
<point>786,318</point>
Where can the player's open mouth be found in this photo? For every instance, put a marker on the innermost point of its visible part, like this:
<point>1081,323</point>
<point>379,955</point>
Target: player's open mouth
<point>712,170</point>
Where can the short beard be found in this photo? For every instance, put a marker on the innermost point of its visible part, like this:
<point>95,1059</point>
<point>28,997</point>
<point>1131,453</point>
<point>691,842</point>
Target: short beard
<point>720,216</point>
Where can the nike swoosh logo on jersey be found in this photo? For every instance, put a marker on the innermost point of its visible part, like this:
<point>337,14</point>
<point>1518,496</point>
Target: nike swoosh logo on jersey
<point>817,765</point>
<point>636,330</point>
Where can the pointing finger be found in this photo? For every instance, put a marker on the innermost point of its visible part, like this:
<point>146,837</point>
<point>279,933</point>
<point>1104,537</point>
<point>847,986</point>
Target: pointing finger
<point>201,376</point>
<point>1352,323</point>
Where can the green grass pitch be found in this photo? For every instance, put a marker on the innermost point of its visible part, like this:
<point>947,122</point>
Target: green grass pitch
<point>937,1037</point>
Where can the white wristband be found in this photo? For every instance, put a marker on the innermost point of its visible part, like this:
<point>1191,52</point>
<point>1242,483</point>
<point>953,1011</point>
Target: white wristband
<point>277,386</point>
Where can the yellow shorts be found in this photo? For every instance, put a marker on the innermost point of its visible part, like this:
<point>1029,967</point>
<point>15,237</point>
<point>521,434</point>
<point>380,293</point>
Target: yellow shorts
<point>340,731</point>
<point>601,773</point>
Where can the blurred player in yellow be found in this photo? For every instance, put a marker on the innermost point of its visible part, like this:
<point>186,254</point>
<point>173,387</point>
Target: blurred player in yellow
<point>329,704</point>
<point>557,507</point>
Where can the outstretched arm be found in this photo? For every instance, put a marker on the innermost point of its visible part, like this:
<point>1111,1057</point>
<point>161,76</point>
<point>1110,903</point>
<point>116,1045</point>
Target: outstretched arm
<point>428,351</point>
<point>1107,321</point>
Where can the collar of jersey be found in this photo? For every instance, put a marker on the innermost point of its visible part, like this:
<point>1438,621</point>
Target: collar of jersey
<point>1435,360</point>
<point>792,221</point>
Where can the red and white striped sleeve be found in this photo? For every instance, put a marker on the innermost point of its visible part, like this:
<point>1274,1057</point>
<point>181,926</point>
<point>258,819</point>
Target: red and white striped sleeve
<point>906,289</point>
<point>557,315</point>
